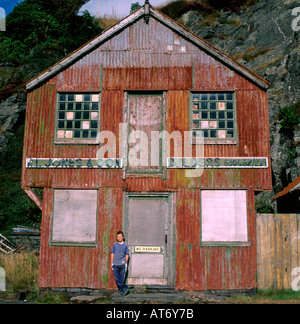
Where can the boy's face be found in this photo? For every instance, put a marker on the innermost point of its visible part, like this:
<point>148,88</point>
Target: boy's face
<point>120,238</point>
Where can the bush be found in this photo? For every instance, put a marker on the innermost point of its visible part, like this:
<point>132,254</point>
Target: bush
<point>290,116</point>
<point>15,206</point>
<point>40,33</point>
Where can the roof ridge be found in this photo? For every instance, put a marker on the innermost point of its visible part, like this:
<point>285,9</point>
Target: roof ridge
<point>171,23</point>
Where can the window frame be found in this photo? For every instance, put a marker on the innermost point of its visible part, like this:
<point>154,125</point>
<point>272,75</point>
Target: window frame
<point>73,140</point>
<point>133,173</point>
<point>224,243</point>
<point>208,141</point>
<point>66,243</point>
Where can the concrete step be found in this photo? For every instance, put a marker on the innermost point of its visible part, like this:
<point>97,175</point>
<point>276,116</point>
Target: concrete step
<point>164,298</point>
<point>160,289</point>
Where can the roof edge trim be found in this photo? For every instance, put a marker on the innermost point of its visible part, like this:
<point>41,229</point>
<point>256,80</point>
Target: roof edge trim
<point>213,51</point>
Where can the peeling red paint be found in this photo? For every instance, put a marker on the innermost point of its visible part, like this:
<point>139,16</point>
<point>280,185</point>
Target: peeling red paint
<point>135,60</point>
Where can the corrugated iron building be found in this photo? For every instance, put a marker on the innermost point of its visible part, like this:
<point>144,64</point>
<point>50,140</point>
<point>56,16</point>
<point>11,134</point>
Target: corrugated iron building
<point>189,220</point>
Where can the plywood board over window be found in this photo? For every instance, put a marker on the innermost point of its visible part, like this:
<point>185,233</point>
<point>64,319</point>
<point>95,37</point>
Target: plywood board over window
<point>74,217</point>
<point>145,118</point>
<point>224,217</point>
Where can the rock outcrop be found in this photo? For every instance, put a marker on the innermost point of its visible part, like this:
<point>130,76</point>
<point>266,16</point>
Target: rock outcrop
<point>263,39</point>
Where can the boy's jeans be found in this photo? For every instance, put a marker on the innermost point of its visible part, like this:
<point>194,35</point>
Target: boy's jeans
<point>119,273</point>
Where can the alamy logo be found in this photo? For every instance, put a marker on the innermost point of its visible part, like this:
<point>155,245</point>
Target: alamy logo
<point>2,19</point>
<point>296,21</point>
<point>2,280</point>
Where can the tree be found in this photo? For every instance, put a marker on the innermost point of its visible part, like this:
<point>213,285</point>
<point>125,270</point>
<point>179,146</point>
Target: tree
<point>34,22</point>
<point>39,33</point>
<point>134,6</point>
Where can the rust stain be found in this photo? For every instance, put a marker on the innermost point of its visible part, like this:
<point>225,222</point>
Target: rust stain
<point>132,61</point>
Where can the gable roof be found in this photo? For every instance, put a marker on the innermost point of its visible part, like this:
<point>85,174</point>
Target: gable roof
<point>172,24</point>
<point>295,185</point>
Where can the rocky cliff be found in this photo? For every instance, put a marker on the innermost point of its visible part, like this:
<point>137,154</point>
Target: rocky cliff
<point>260,37</point>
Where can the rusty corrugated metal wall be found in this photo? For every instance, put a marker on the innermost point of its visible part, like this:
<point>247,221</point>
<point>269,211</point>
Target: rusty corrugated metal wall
<point>138,58</point>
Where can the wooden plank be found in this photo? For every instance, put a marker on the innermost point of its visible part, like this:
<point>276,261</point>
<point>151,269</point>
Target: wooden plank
<point>262,264</point>
<point>266,251</point>
<point>294,243</point>
<point>271,251</point>
<point>286,251</point>
<point>279,270</point>
<point>5,245</point>
<point>33,196</point>
<point>145,115</point>
<point>278,242</point>
<point>297,243</point>
<point>260,248</point>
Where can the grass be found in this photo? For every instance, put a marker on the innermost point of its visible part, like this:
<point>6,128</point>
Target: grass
<point>107,21</point>
<point>51,298</point>
<point>269,296</point>
<point>22,277</point>
<point>250,57</point>
<point>22,272</point>
<point>252,53</point>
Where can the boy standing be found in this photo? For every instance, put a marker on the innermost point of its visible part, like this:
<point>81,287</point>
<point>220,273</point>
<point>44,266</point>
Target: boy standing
<point>119,259</point>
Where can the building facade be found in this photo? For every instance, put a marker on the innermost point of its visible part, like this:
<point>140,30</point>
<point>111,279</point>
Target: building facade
<point>151,130</point>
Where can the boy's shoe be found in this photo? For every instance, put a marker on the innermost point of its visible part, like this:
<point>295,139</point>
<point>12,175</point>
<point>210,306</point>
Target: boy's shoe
<point>125,292</point>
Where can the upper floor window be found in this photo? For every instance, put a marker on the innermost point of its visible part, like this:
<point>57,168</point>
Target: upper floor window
<point>77,117</point>
<point>213,113</point>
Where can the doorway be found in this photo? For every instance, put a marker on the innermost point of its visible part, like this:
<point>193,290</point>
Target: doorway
<point>149,231</point>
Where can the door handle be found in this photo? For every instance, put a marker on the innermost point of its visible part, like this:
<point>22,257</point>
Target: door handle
<point>166,238</point>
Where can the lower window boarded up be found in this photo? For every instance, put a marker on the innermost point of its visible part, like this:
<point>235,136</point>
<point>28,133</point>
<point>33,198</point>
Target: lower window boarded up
<point>224,216</point>
<point>74,217</point>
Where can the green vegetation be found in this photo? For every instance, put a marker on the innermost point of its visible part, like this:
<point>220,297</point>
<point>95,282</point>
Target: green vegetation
<point>289,116</point>
<point>255,54</point>
<point>15,206</point>
<point>50,298</point>
<point>269,296</point>
<point>40,33</point>
<point>22,272</point>
<point>134,6</point>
